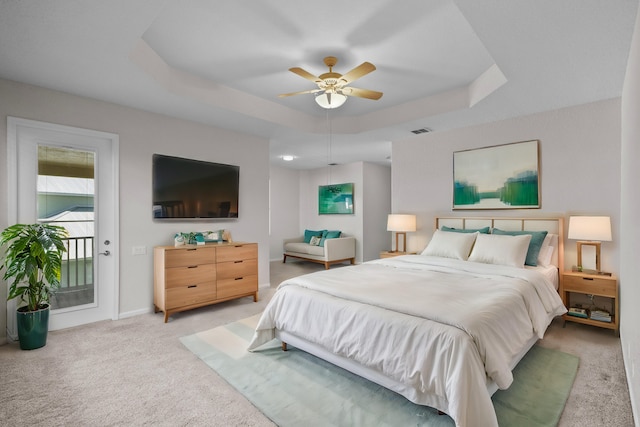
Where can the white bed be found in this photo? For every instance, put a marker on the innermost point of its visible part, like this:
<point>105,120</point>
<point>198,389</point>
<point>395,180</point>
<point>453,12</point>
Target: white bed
<point>442,332</point>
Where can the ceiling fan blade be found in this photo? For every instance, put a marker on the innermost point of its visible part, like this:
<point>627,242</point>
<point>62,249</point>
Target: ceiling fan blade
<point>360,71</point>
<point>362,93</point>
<point>299,93</point>
<point>305,74</point>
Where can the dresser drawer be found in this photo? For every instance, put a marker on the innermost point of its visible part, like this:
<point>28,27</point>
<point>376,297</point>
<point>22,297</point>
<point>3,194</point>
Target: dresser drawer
<point>238,286</point>
<point>590,285</point>
<point>189,257</point>
<point>236,269</point>
<point>237,252</point>
<point>183,276</point>
<point>188,295</point>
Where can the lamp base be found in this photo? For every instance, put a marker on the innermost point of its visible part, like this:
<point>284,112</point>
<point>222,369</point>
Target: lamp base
<point>596,246</point>
<point>404,242</point>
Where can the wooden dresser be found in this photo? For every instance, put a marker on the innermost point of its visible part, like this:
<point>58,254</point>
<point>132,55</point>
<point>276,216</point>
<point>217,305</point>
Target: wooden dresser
<point>192,276</point>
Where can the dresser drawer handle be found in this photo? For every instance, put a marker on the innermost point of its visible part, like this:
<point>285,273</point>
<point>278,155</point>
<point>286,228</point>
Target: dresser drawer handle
<point>237,262</point>
<point>194,249</point>
<point>192,286</point>
<point>238,278</point>
<point>193,266</point>
<point>587,278</point>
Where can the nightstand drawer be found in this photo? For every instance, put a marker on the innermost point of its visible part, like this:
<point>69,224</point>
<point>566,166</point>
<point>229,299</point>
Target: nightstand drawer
<point>590,285</point>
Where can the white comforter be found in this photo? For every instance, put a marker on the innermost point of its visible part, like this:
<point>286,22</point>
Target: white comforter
<point>438,325</point>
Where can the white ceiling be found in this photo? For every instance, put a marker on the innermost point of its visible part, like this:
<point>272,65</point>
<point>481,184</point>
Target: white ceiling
<point>441,64</point>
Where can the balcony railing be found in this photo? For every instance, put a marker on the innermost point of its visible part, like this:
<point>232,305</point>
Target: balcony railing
<point>77,264</point>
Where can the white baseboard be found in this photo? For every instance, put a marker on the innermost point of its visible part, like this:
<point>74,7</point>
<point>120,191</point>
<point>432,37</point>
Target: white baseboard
<point>135,313</point>
<point>10,337</point>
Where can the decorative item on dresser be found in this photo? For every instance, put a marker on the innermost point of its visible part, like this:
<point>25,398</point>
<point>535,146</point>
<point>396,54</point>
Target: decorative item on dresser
<point>191,276</point>
<point>592,285</point>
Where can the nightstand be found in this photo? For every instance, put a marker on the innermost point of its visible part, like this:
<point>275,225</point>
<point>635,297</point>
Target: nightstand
<point>391,254</point>
<point>574,282</point>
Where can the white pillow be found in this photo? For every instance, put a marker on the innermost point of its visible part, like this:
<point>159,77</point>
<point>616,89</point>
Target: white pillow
<point>544,260</point>
<point>544,256</point>
<point>449,244</point>
<point>501,249</point>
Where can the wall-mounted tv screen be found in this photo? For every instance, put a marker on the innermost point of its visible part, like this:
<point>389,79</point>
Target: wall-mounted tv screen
<point>193,189</point>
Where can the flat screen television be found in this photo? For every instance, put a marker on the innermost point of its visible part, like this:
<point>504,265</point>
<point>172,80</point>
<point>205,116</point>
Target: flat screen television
<point>194,189</point>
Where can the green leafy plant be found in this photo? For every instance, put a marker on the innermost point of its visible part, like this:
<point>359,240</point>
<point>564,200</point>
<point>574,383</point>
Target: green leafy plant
<point>33,261</point>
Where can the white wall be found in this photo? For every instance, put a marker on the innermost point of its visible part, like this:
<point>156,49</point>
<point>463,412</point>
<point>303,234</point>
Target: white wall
<point>579,169</point>
<point>377,205</point>
<point>629,224</point>
<point>284,208</point>
<point>142,134</point>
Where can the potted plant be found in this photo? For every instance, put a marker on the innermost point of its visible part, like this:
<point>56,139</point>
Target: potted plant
<point>32,262</point>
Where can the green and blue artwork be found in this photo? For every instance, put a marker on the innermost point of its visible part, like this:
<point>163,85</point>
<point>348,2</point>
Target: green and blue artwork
<point>335,199</point>
<point>498,177</point>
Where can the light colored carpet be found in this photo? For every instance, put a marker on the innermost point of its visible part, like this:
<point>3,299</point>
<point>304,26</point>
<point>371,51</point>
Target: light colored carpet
<point>294,388</point>
<point>136,372</point>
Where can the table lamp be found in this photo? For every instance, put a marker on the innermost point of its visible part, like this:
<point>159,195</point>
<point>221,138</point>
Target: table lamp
<point>589,231</point>
<point>401,224</point>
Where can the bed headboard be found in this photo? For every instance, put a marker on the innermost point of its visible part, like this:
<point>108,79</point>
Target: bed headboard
<point>553,225</point>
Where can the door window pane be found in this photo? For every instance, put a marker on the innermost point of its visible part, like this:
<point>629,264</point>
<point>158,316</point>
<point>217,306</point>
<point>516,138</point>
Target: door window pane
<point>66,198</point>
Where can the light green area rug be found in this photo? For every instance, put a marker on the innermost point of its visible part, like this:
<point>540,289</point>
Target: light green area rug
<point>294,388</point>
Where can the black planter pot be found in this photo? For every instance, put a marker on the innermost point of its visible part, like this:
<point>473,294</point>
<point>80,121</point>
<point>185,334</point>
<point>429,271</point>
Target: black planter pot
<point>33,327</point>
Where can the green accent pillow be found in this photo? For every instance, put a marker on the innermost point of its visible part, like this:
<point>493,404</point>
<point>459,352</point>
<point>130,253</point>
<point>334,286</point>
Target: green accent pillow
<point>308,234</point>
<point>537,237</point>
<point>484,230</point>
<point>333,234</point>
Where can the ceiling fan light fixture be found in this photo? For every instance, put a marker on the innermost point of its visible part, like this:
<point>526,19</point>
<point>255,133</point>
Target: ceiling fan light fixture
<point>330,100</point>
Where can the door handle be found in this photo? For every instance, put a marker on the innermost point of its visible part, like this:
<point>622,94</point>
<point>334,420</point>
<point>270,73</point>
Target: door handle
<point>106,253</point>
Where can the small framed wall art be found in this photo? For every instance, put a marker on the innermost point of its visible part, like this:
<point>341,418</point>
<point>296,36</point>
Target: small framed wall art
<point>335,199</point>
<point>498,177</point>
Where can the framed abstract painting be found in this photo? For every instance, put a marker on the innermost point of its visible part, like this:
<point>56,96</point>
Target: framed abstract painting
<point>335,199</point>
<point>497,177</point>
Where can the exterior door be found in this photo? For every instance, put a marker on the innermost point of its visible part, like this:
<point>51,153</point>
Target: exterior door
<point>68,176</point>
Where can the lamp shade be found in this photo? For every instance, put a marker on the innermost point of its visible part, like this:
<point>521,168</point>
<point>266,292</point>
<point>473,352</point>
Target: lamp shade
<point>596,228</point>
<point>401,222</point>
<point>330,100</point>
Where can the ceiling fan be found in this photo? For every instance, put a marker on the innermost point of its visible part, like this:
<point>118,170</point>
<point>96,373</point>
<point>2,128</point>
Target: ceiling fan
<point>332,87</point>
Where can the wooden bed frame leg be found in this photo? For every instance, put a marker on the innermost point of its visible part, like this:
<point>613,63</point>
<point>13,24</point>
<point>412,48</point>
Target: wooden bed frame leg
<point>284,346</point>
<point>284,259</point>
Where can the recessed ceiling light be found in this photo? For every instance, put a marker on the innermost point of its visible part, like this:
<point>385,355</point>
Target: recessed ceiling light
<point>288,157</point>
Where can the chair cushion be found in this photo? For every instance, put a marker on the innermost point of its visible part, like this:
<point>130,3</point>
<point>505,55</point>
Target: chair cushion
<point>304,248</point>
<point>316,250</point>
